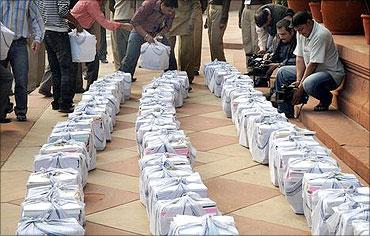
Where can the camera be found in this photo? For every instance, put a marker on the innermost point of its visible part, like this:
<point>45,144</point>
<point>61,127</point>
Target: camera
<point>258,70</point>
<point>286,93</point>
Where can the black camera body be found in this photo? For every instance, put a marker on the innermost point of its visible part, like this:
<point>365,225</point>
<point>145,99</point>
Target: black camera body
<point>258,66</point>
<point>286,93</point>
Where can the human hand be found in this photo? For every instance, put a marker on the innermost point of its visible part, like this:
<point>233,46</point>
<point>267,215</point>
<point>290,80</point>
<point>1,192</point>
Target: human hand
<point>126,26</point>
<point>79,28</point>
<point>149,38</point>
<point>295,84</point>
<point>297,95</point>
<point>35,46</point>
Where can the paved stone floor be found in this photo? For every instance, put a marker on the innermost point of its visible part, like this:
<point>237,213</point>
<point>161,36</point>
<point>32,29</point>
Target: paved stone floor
<point>239,186</point>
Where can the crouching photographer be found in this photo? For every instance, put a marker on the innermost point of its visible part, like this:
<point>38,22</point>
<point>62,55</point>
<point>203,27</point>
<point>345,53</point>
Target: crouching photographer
<point>318,69</point>
<point>262,67</point>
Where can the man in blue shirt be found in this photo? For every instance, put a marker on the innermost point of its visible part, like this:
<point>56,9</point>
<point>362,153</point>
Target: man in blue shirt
<point>24,19</point>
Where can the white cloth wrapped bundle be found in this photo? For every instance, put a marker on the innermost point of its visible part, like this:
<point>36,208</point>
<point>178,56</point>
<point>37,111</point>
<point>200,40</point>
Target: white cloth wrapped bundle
<point>63,145</point>
<point>63,160</point>
<point>234,92</point>
<point>294,175</point>
<point>340,223</point>
<point>246,112</point>
<point>96,113</point>
<point>173,188</point>
<point>57,207</point>
<point>57,190</point>
<point>327,199</point>
<point>148,127</point>
<point>103,99</point>
<point>210,68</point>
<point>204,225</point>
<point>258,132</point>
<point>161,118</point>
<point>160,158</point>
<point>97,107</point>
<point>126,82</point>
<point>170,143</point>
<point>361,227</point>
<point>189,204</point>
<point>149,137</point>
<point>313,182</point>
<point>80,119</point>
<point>165,170</point>
<point>180,76</point>
<point>105,87</point>
<point>247,101</point>
<point>274,143</point>
<point>219,77</point>
<point>44,227</point>
<point>114,80</point>
<point>53,176</point>
<point>180,94</point>
<point>154,56</point>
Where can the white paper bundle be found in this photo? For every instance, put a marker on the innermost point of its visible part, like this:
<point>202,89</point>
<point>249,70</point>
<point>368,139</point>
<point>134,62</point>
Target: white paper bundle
<point>276,138</point>
<point>180,76</point>
<point>102,98</point>
<point>173,188</point>
<point>165,135</point>
<point>210,68</point>
<point>165,170</point>
<point>126,81</point>
<point>44,227</point>
<point>313,182</point>
<point>63,145</point>
<point>294,176</point>
<point>97,107</point>
<point>160,158</point>
<point>232,93</point>
<point>152,127</point>
<point>189,204</point>
<point>54,176</point>
<point>97,123</point>
<point>361,227</point>
<point>157,118</point>
<point>73,192</point>
<point>118,81</point>
<point>106,88</point>
<point>204,225</point>
<point>340,223</point>
<point>258,132</point>
<point>63,160</point>
<point>248,102</point>
<point>178,89</point>
<point>327,199</point>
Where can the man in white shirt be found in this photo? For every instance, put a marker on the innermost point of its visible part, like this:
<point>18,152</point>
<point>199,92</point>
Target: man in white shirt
<point>318,69</point>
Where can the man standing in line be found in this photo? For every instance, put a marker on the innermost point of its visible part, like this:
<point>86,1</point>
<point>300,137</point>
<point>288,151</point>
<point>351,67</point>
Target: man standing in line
<point>18,16</point>
<point>217,17</point>
<point>247,24</point>
<point>198,34</point>
<point>183,27</point>
<point>58,47</point>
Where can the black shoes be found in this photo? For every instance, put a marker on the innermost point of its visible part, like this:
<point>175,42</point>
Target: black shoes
<point>67,110</point>
<point>5,120</point>
<point>196,72</point>
<point>47,94</point>
<point>133,80</point>
<point>9,108</point>
<point>21,117</point>
<point>80,90</point>
<point>104,61</point>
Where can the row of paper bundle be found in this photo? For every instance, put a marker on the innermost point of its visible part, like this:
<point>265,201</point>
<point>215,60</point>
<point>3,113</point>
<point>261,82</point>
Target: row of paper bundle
<point>54,202</point>
<point>175,196</point>
<point>334,203</point>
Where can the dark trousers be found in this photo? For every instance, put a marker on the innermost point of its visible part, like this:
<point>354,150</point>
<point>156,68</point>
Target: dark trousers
<point>103,44</point>
<point>60,60</point>
<point>18,58</point>
<point>6,80</point>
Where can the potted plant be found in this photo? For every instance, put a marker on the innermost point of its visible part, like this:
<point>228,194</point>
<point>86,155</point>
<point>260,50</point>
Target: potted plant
<point>342,16</point>
<point>299,5</point>
<point>315,7</point>
<point>366,22</point>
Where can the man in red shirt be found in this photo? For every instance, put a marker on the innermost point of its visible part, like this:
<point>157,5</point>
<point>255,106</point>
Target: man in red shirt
<point>153,18</point>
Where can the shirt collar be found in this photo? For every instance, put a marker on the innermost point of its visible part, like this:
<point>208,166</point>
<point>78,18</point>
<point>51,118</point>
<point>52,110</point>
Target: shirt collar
<point>314,28</point>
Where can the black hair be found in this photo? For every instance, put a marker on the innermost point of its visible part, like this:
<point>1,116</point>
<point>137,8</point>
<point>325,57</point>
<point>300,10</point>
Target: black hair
<point>261,16</point>
<point>170,3</point>
<point>284,23</point>
<point>300,18</point>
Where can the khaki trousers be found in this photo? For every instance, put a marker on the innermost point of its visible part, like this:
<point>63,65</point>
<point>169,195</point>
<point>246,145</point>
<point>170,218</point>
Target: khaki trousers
<point>215,32</point>
<point>36,66</point>
<point>185,53</point>
<point>198,33</point>
<point>249,34</point>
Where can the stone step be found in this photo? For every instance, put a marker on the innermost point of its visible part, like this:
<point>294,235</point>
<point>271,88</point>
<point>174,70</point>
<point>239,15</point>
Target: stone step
<point>347,139</point>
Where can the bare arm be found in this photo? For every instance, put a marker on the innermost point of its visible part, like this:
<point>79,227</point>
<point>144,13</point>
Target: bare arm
<point>300,68</point>
<point>147,37</point>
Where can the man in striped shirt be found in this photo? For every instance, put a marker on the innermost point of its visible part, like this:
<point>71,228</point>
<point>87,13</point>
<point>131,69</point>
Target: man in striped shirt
<point>24,19</point>
<point>55,14</point>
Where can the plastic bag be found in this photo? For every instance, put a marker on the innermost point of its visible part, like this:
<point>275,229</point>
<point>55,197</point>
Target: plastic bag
<point>83,46</point>
<point>6,39</point>
<point>155,56</point>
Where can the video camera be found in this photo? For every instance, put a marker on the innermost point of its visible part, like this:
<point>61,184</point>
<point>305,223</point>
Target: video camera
<point>286,93</point>
<point>258,65</point>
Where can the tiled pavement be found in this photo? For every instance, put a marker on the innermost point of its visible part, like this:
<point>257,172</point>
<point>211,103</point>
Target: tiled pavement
<point>240,186</point>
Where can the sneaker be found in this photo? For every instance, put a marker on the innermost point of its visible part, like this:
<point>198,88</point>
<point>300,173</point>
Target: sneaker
<point>5,120</point>
<point>21,117</point>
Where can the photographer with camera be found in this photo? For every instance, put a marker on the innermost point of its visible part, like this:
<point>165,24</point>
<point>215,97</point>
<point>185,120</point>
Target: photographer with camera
<point>282,55</point>
<point>318,69</point>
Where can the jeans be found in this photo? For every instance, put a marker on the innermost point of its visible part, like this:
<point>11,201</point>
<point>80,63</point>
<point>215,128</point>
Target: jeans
<point>60,60</point>
<point>119,45</point>
<point>103,44</point>
<point>18,58</point>
<point>6,80</point>
<point>317,85</point>
<point>135,41</point>
<point>92,72</point>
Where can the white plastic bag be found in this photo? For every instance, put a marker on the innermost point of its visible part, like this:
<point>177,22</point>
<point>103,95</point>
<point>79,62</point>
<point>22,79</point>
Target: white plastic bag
<point>83,46</point>
<point>6,39</point>
<point>155,56</point>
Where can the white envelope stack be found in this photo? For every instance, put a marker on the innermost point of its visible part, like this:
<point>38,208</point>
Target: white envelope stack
<point>203,225</point>
<point>168,186</point>
<point>298,164</point>
<point>361,227</point>
<point>54,204</point>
